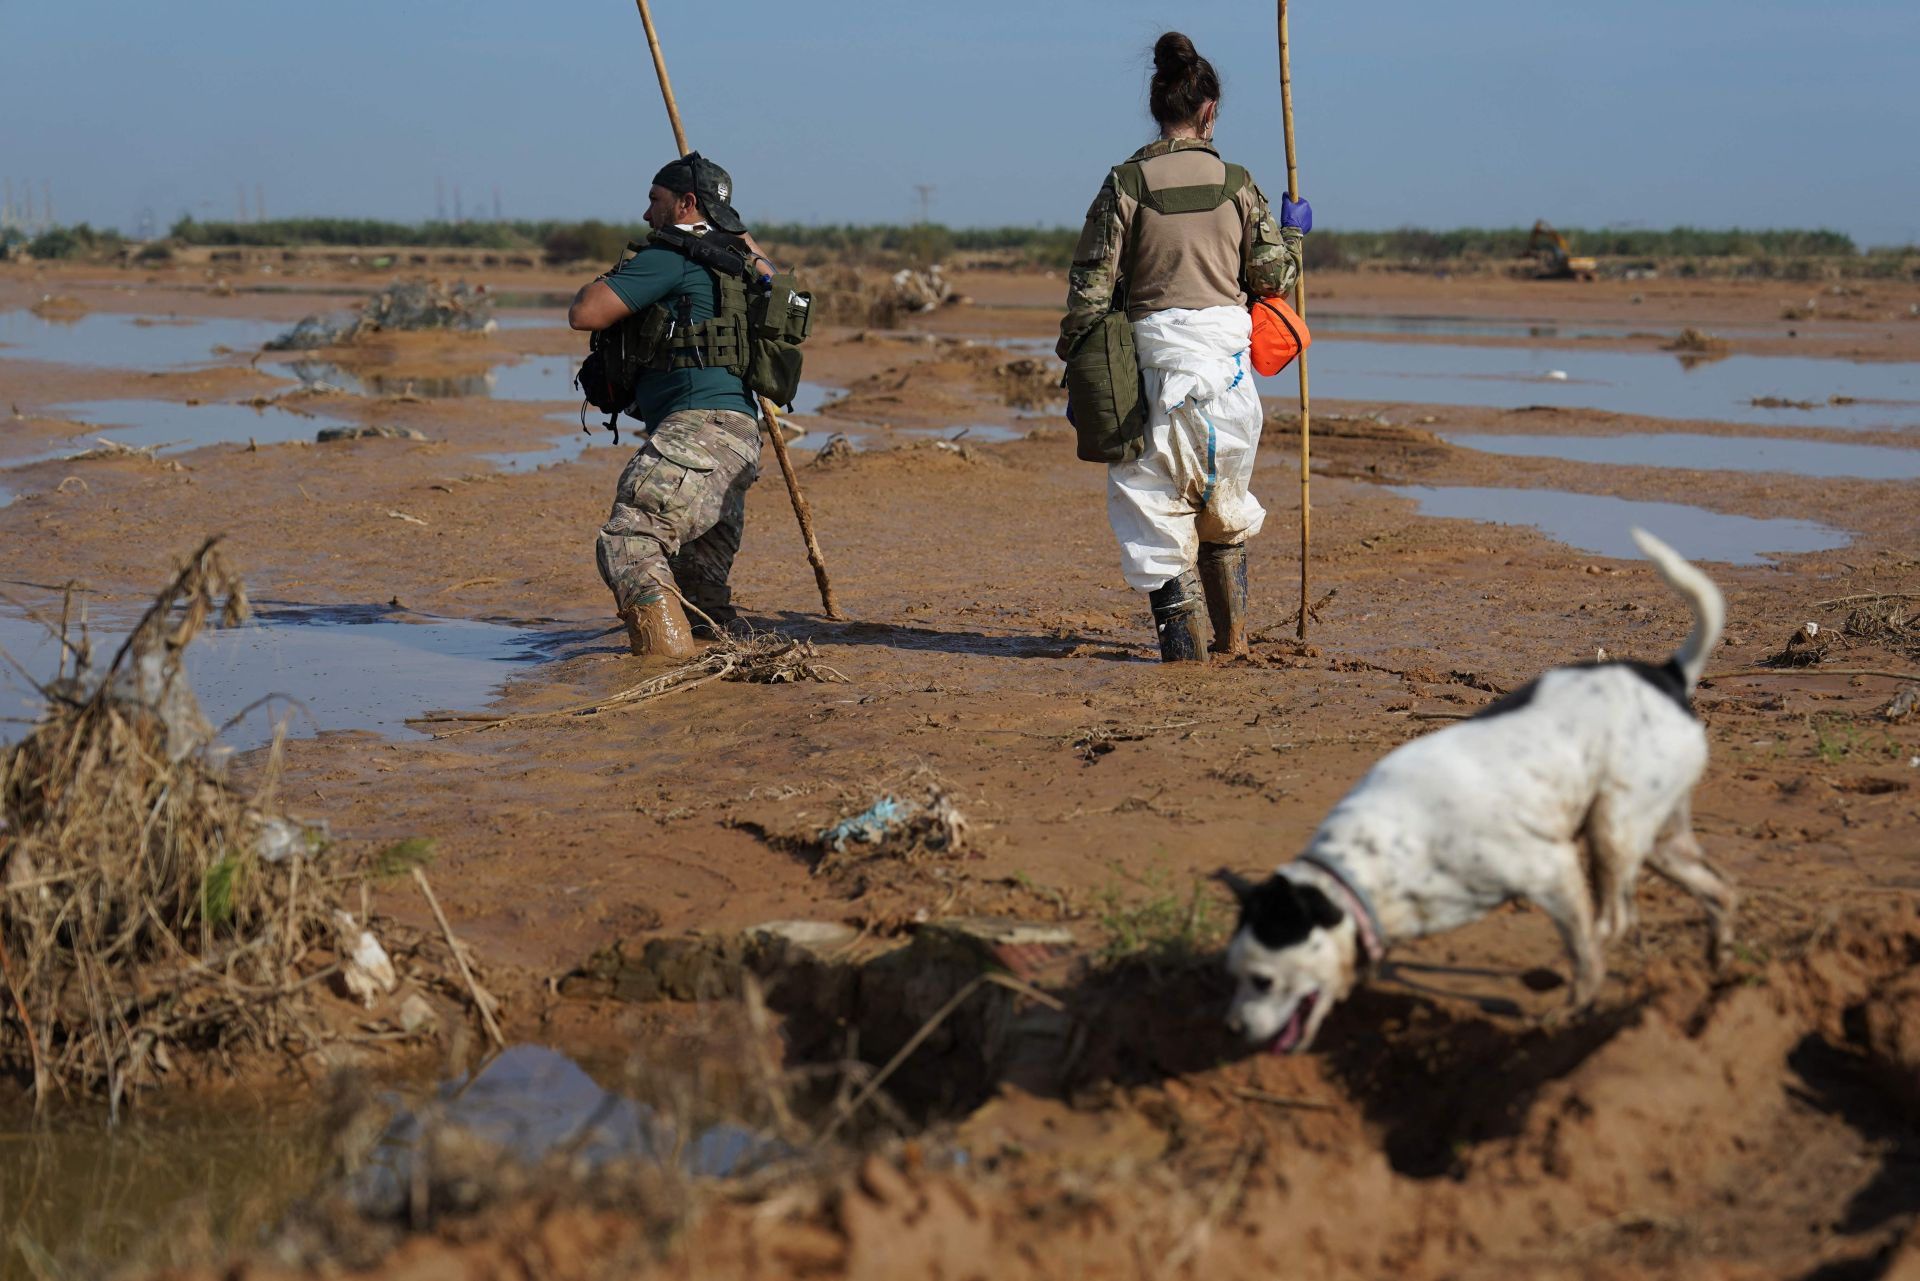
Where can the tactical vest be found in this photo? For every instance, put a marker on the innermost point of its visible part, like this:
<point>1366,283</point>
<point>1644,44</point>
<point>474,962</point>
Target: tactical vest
<point>1130,180</point>
<point>1106,397</point>
<point>754,334</point>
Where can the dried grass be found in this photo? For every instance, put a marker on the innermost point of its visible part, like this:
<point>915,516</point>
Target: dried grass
<point>759,658</point>
<point>1891,620</point>
<point>139,917</point>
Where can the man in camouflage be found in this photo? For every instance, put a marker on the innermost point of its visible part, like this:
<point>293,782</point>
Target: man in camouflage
<point>680,507</point>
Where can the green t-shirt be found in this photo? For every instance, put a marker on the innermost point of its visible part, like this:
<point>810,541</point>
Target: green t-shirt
<point>663,276</point>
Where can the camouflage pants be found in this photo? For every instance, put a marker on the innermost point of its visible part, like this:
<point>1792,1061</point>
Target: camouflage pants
<point>680,509</point>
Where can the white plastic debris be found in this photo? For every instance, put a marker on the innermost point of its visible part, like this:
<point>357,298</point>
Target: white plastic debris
<point>1557,375</point>
<point>416,1012</point>
<point>364,966</point>
<point>278,837</point>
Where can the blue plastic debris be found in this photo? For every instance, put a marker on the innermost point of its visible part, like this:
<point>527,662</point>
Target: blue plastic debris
<point>869,827</point>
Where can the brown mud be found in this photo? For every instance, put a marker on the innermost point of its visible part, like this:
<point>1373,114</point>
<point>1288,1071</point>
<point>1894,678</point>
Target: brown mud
<point>1756,1123</point>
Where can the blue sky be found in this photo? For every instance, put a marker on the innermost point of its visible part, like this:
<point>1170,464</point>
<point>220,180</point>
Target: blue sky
<point>1761,113</point>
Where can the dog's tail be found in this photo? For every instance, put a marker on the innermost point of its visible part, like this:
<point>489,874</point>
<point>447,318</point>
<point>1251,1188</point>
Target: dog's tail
<point>1709,607</point>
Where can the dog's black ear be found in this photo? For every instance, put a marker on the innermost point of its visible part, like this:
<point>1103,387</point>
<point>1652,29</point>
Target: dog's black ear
<point>1242,888</point>
<point>1321,910</point>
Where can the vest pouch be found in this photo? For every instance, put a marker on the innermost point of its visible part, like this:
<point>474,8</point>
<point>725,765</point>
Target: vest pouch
<point>1105,393</point>
<point>783,311</point>
<point>773,370</point>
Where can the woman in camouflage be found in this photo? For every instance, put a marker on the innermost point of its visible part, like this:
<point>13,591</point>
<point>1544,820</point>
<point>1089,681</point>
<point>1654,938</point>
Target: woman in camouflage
<point>1186,241</point>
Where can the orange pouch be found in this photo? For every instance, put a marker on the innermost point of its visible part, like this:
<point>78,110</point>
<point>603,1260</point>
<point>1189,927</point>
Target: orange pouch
<point>1278,335</point>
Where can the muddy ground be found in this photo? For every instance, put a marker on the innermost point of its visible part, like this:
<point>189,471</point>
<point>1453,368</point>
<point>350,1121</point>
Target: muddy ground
<point>1758,1121</point>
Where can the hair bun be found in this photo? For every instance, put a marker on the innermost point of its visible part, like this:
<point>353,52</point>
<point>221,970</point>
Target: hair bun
<point>1173,54</point>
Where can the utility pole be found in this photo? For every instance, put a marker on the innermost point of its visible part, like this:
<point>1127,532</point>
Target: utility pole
<point>259,202</point>
<point>440,199</point>
<point>925,190</point>
<point>46,195</point>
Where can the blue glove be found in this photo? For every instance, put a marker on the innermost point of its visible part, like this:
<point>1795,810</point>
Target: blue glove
<point>1295,213</point>
<point>1070,421</point>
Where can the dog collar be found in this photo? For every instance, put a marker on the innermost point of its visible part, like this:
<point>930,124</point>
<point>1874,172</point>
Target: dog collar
<point>1366,922</point>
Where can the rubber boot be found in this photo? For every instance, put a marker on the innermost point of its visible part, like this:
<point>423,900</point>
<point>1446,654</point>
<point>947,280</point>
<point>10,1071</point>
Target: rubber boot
<point>657,628</point>
<point>1223,576</point>
<point>1178,619</point>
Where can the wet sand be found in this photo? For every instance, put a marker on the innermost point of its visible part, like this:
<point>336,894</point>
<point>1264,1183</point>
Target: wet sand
<point>989,640</point>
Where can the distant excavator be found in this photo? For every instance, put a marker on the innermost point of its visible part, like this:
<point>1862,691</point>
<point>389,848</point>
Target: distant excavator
<point>1552,260</point>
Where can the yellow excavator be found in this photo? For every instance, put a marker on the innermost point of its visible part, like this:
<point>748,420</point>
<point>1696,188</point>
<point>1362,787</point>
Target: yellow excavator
<point>1552,260</point>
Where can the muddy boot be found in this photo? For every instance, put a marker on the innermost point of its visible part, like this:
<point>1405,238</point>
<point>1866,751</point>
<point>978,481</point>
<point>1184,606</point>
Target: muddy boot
<point>1223,576</point>
<point>1178,619</point>
<point>657,628</point>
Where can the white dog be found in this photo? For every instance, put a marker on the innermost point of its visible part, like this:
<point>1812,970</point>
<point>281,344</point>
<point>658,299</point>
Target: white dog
<point>1499,807</point>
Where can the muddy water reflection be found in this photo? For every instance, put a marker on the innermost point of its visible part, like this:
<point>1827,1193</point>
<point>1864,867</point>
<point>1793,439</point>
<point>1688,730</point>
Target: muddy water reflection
<point>530,1103</point>
<point>1848,394</point>
<point>345,668</point>
<point>1708,453</point>
<point>171,1180</point>
<point>129,342</point>
<point>173,426</point>
<point>1598,523</point>
<point>533,378</point>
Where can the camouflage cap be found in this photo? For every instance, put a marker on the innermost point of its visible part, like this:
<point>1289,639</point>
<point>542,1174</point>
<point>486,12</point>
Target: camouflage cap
<point>709,185</point>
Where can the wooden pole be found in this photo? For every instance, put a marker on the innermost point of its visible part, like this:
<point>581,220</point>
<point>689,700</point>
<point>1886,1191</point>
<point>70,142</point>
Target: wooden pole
<point>801,511</point>
<point>1299,305</point>
<point>660,70</point>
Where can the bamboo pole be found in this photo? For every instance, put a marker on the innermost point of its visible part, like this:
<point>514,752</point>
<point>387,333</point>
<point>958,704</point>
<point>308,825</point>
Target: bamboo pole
<point>801,511</point>
<point>1299,305</point>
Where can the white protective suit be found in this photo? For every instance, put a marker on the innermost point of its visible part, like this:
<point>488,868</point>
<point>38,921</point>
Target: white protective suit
<point>1203,427</point>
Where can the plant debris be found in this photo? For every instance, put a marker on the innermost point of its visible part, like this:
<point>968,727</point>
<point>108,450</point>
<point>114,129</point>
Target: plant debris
<point>411,304</point>
<point>761,658</point>
<point>150,907</point>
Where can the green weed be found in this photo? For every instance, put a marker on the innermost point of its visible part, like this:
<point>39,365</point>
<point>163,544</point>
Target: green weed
<point>402,857</point>
<point>1837,739</point>
<point>1166,930</point>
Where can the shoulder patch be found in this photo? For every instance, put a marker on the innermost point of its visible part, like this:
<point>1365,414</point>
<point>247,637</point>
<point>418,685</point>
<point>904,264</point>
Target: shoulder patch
<point>1282,912</point>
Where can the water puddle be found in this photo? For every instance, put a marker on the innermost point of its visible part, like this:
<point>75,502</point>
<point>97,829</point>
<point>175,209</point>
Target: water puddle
<point>812,397</point>
<point>1837,393</point>
<point>564,449</point>
<point>76,1191</point>
<point>129,342</point>
<point>77,1194</point>
<point>556,319</point>
<point>1345,322</point>
<point>533,378</point>
<point>173,426</point>
<point>350,669</point>
<point>529,1103</point>
<point>1599,523</point>
<point>1709,453</point>
<point>863,435</point>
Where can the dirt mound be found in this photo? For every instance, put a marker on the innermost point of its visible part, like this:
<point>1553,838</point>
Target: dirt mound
<point>1757,1123</point>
